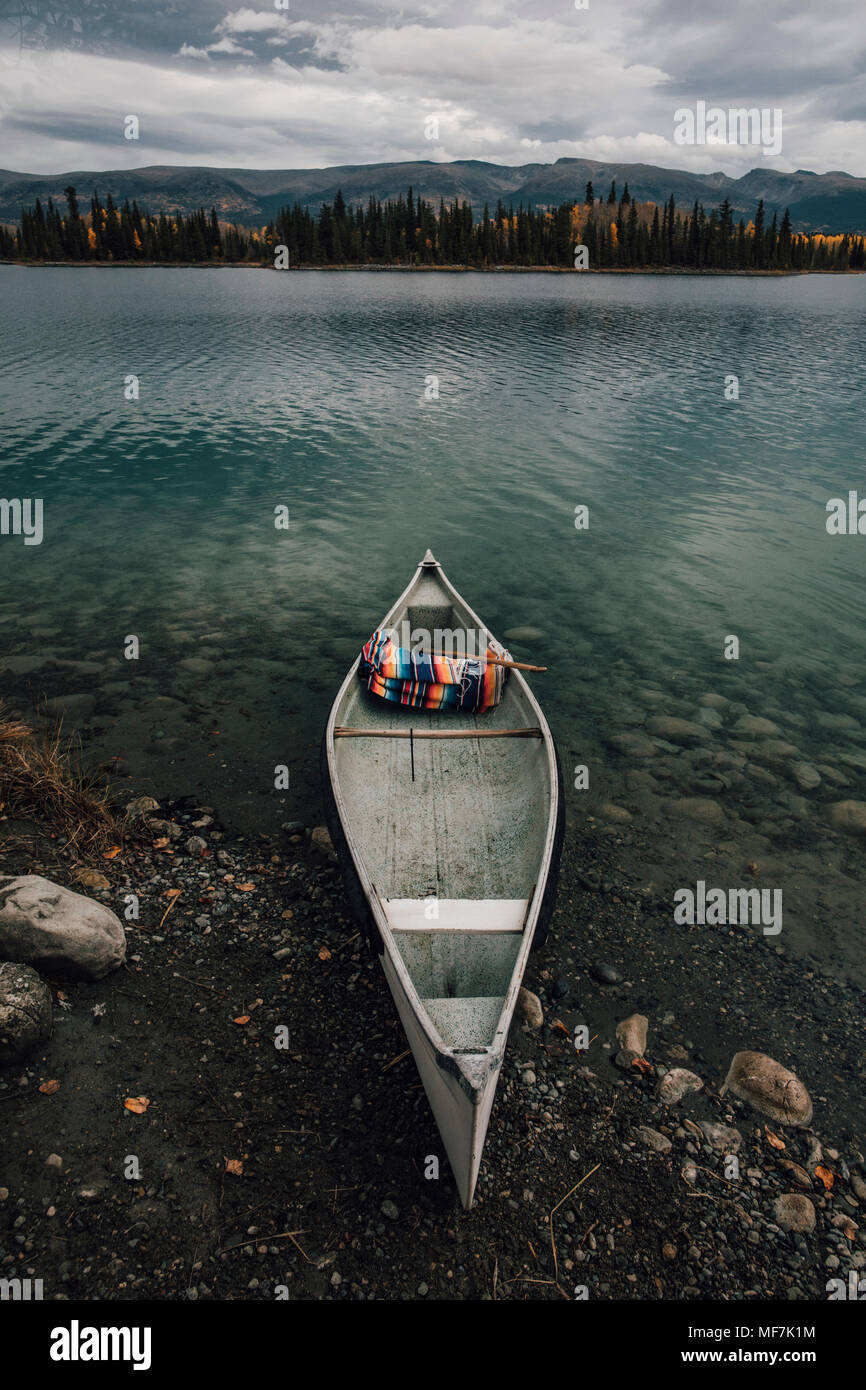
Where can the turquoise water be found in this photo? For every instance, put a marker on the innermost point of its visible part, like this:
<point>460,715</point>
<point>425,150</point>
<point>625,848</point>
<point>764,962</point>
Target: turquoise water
<point>706,518</point>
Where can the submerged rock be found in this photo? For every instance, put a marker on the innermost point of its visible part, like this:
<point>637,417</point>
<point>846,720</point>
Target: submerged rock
<point>755,727</point>
<point>25,1011</point>
<point>633,745</point>
<point>74,707</point>
<point>699,808</point>
<point>675,730</point>
<point>849,816</point>
<point>769,1087</point>
<point>43,924</point>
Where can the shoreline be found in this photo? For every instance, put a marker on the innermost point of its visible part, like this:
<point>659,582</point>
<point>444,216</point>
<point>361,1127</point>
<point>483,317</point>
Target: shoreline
<point>333,1138</point>
<point>421,269</point>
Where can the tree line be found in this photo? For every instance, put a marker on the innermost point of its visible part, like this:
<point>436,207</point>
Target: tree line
<point>617,231</point>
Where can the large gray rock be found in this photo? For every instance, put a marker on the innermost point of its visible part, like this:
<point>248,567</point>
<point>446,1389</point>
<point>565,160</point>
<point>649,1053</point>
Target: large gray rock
<point>62,932</point>
<point>25,1011</point>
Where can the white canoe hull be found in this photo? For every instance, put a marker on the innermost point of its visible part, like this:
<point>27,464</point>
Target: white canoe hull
<point>476,831</point>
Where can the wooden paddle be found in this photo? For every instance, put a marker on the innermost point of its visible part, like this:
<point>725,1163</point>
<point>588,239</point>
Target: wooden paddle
<point>491,661</point>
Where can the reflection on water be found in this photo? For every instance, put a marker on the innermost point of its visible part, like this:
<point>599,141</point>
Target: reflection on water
<point>313,391</point>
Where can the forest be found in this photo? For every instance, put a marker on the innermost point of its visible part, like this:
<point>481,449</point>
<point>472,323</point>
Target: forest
<point>617,232</point>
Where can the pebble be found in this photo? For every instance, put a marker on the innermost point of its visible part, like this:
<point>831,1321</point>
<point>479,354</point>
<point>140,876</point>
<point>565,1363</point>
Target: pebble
<point>722,1138</point>
<point>54,1161</point>
<point>529,1008</point>
<point>659,1143</point>
<point>390,1210</point>
<point>631,1033</point>
<point>794,1212</point>
<point>528,1077</point>
<point>676,1083</point>
<point>605,974</point>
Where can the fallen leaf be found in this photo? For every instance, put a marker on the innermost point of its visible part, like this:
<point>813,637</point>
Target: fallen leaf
<point>161,842</point>
<point>172,893</point>
<point>245,887</point>
<point>324,953</point>
<point>774,1139</point>
<point>642,1064</point>
<point>244,1018</point>
<point>560,1027</point>
<point>50,1088</point>
<point>112,853</point>
<point>235,1165</point>
<point>137,1104</point>
<point>288,913</point>
<point>800,1174</point>
<point>827,1178</point>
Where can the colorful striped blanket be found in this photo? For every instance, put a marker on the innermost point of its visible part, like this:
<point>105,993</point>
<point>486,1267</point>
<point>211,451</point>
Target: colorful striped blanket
<point>420,680</point>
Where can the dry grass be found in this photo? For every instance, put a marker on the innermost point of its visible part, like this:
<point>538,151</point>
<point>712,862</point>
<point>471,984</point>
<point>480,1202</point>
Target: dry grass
<point>42,779</point>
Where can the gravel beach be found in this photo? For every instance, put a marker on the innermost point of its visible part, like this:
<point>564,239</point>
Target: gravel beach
<point>282,1146</point>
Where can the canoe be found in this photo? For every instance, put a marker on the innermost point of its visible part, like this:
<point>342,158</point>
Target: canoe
<point>449,841</point>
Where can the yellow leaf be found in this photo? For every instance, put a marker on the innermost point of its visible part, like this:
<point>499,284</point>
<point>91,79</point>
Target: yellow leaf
<point>827,1178</point>
<point>137,1104</point>
<point>112,853</point>
<point>241,1020</point>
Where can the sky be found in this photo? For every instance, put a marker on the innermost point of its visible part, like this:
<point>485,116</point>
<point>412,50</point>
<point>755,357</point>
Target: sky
<point>302,84</point>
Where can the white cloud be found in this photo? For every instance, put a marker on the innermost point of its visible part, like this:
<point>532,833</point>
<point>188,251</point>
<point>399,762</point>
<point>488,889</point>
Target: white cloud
<point>228,45</point>
<point>247,21</point>
<point>509,87</point>
<point>187,50</point>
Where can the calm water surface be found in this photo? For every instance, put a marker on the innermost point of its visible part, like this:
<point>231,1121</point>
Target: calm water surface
<point>707,518</point>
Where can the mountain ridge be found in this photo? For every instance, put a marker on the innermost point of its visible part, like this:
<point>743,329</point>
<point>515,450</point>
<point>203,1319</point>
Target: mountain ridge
<point>832,202</point>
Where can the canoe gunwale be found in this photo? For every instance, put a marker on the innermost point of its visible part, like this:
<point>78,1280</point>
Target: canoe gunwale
<point>446,1058</point>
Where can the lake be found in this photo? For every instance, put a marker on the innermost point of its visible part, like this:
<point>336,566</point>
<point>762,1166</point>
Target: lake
<point>473,414</point>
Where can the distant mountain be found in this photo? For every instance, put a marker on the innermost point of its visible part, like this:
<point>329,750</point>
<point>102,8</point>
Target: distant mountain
<point>833,202</point>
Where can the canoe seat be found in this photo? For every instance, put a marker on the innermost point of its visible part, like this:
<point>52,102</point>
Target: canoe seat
<point>457,914</point>
<point>467,1025</point>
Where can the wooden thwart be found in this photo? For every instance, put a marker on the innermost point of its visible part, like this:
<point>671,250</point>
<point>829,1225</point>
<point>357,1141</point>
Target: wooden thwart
<point>341,731</point>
